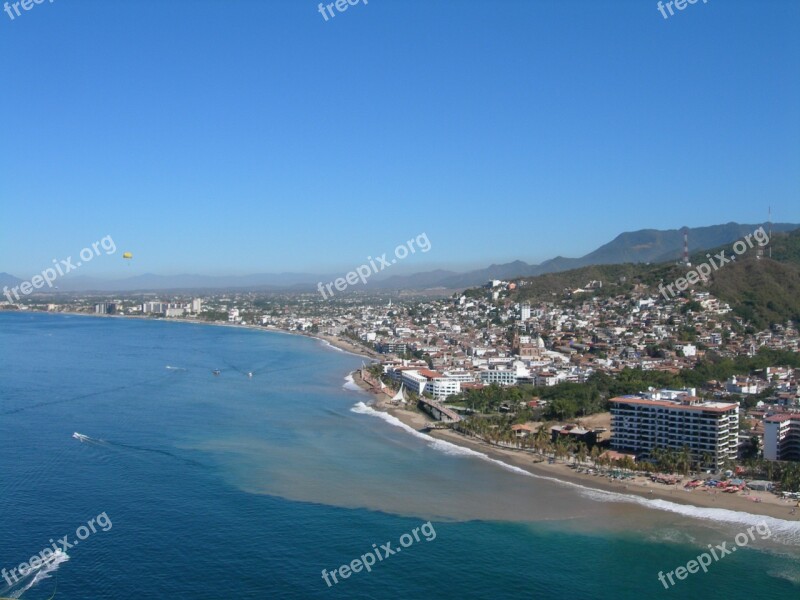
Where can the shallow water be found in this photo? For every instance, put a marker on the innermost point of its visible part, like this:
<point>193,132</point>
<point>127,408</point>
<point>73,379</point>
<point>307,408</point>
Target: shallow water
<point>230,486</point>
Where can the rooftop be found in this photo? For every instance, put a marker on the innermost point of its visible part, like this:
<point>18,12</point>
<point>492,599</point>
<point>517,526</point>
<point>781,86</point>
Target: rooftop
<point>684,402</point>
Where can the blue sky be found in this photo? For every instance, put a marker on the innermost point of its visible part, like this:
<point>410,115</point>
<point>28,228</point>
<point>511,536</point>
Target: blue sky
<point>253,136</point>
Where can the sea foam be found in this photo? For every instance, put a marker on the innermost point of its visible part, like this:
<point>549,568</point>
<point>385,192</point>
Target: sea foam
<point>41,573</point>
<point>787,532</point>
<point>351,385</point>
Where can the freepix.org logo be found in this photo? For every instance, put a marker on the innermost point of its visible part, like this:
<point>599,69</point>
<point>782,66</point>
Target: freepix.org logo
<point>376,265</point>
<point>12,8</point>
<point>703,270</point>
<point>59,269</point>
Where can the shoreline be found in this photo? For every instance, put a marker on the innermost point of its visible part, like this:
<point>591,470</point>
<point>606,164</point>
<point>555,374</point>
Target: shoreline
<point>768,505</point>
<point>345,345</point>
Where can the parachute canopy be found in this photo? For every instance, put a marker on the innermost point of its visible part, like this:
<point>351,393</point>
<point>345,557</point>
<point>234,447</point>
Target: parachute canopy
<point>127,255</point>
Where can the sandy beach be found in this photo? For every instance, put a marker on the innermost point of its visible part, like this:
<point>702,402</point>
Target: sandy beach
<point>757,503</point>
<point>336,341</point>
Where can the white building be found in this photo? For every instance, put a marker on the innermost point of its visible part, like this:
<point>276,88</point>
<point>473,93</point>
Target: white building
<point>525,312</point>
<point>782,437</point>
<point>155,307</point>
<point>707,428</point>
<point>460,376</point>
<point>665,394</point>
<point>197,305</point>
<point>545,378</point>
<point>741,385</point>
<point>500,376</point>
<point>437,385</point>
<point>442,387</point>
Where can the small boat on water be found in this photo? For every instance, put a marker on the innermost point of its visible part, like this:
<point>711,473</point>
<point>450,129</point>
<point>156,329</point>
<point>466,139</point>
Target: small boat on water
<point>80,437</point>
<point>250,374</point>
<point>216,371</point>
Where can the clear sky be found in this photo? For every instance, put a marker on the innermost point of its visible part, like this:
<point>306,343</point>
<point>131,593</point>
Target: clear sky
<point>254,136</point>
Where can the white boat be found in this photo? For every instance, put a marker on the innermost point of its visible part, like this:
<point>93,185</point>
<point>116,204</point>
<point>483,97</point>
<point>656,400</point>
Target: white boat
<point>80,437</point>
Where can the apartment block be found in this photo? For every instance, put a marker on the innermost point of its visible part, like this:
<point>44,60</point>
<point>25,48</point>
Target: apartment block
<point>782,437</point>
<point>708,428</point>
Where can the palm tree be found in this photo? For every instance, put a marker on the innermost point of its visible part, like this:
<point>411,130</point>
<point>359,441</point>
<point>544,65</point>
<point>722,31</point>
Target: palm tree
<point>707,459</point>
<point>595,453</point>
<point>542,438</point>
<point>685,460</point>
<point>571,446</point>
<point>582,452</point>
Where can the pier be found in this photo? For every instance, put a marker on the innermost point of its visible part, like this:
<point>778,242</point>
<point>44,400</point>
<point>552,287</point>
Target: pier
<point>438,412</point>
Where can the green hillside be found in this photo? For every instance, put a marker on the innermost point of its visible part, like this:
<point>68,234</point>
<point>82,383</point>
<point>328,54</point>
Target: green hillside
<point>761,290</point>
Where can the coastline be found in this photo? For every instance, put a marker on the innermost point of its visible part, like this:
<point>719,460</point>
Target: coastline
<point>340,343</point>
<point>767,505</point>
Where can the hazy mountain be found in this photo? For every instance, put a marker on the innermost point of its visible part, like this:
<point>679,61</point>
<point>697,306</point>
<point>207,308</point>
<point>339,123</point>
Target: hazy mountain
<point>645,245</point>
<point>6,279</point>
<point>150,281</point>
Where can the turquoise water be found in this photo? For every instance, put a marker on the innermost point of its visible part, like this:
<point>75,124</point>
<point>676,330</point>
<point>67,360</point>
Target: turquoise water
<point>232,486</point>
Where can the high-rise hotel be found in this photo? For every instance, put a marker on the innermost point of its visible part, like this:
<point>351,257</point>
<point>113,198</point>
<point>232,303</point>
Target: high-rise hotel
<point>708,428</point>
<point>782,437</point>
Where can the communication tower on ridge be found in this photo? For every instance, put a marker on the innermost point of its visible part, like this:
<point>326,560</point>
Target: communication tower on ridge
<point>686,247</point>
<point>768,247</point>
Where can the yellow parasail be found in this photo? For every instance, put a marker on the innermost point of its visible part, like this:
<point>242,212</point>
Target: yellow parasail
<point>127,255</point>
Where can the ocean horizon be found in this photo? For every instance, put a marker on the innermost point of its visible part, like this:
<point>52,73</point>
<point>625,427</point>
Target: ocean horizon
<point>254,482</point>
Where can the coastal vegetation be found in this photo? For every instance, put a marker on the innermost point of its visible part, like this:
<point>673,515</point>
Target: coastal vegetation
<point>762,292</point>
<point>568,400</point>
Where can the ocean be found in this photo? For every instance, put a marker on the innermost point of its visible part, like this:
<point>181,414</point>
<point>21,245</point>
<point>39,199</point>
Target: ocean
<point>186,484</point>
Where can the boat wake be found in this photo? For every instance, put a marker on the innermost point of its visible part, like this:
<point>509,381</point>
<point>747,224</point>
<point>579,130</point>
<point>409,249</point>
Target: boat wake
<point>785,532</point>
<point>85,439</point>
<point>102,393</point>
<point>48,566</point>
<point>98,442</point>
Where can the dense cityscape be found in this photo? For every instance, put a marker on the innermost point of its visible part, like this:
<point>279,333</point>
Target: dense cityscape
<point>582,358</point>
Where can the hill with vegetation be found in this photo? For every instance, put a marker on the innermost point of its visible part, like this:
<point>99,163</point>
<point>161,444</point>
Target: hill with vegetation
<point>761,290</point>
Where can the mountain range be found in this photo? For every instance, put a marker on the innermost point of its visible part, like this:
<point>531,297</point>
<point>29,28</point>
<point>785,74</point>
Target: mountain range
<point>643,246</point>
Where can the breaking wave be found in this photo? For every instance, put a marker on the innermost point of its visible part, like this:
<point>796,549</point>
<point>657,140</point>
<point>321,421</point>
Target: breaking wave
<point>786,532</point>
<point>351,385</point>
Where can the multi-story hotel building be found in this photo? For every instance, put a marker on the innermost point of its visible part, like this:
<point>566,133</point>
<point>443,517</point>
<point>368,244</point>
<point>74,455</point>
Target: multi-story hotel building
<point>782,437</point>
<point>424,380</point>
<point>708,428</point>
